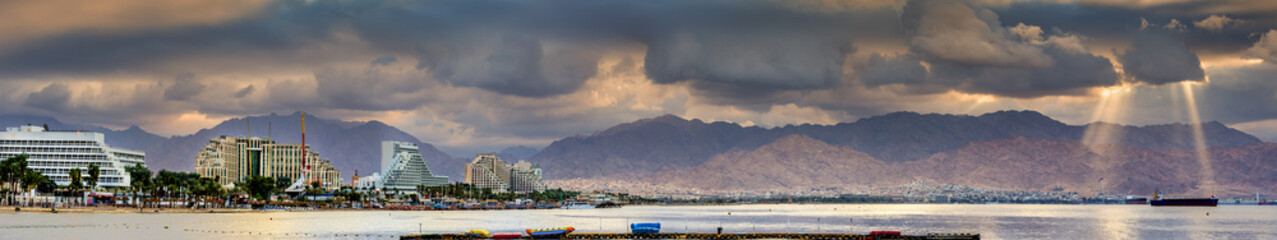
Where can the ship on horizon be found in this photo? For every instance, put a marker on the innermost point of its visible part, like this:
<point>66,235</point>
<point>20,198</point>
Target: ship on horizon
<point>1158,201</point>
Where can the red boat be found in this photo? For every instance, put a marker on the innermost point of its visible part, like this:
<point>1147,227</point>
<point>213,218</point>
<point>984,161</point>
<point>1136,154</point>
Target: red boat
<point>506,235</point>
<point>884,233</point>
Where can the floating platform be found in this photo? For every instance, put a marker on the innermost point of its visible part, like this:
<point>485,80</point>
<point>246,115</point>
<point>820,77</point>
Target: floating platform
<point>712,236</point>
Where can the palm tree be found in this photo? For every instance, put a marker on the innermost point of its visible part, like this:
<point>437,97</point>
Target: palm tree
<point>140,180</point>
<point>76,184</point>
<point>14,171</point>
<point>94,173</point>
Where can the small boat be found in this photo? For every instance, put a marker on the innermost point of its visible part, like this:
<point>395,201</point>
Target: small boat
<point>1183,202</point>
<point>507,235</point>
<point>576,205</point>
<point>478,233</point>
<point>645,228</point>
<point>550,231</point>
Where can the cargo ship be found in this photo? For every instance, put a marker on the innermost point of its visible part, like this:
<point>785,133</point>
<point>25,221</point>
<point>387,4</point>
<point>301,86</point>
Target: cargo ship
<point>1183,202</point>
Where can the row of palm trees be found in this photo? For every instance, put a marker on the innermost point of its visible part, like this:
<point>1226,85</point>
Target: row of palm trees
<point>167,186</point>
<point>18,178</point>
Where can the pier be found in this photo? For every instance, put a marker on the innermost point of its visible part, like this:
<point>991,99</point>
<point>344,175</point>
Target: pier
<point>711,236</point>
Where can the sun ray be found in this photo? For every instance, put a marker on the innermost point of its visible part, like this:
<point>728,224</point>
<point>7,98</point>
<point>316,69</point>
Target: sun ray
<point>1199,137</point>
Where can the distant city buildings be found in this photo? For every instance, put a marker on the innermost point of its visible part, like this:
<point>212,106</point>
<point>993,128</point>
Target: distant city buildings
<point>234,159</point>
<point>488,171</point>
<point>370,182</point>
<point>55,153</point>
<point>403,168</point>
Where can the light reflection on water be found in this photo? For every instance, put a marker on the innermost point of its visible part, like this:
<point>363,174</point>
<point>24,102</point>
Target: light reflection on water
<point>1001,221</point>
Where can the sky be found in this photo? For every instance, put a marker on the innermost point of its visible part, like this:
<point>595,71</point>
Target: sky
<point>481,75</point>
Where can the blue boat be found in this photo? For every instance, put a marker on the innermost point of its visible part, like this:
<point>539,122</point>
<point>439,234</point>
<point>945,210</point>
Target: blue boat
<point>645,228</point>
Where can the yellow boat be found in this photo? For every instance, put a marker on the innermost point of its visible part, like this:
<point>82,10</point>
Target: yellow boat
<point>550,231</point>
<point>478,233</point>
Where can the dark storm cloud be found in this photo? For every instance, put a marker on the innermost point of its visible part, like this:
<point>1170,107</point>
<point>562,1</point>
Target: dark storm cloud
<point>515,65</point>
<point>245,91</point>
<point>374,88</point>
<point>52,97</point>
<point>532,49</point>
<point>1157,58</point>
<point>1111,24</point>
<point>969,50</point>
<point>1241,94</point>
<point>287,27</point>
<point>184,86</point>
<point>882,70</point>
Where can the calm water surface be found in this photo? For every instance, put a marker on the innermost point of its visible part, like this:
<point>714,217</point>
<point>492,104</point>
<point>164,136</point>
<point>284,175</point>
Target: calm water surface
<point>1001,221</point>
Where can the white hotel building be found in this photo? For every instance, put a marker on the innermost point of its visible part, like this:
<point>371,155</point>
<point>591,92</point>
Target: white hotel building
<point>403,168</point>
<point>55,153</point>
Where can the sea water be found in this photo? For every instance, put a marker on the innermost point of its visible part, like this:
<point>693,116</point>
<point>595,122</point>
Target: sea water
<point>999,221</point>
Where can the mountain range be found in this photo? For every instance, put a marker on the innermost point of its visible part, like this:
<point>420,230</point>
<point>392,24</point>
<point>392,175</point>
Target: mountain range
<point>1006,150</point>
<point>668,142</point>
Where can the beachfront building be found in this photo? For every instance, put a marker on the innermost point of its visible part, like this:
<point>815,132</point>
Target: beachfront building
<point>488,171</point>
<point>370,182</point>
<point>55,153</point>
<point>234,159</point>
<point>403,168</point>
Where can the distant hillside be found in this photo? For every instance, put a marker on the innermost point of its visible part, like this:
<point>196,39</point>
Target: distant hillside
<point>795,161</point>
<point>650,146</point>
<point>799,162</point>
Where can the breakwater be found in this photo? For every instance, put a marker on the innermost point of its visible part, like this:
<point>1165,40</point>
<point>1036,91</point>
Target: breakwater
<point>713,236</point>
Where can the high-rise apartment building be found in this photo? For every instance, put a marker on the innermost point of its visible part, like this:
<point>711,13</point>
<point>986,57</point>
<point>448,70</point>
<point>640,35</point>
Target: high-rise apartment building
<point>488,171</point>
<point>233,159</point>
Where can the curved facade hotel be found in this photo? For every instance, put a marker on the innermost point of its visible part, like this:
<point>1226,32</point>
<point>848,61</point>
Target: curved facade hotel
<point>233,159</point>
<point>488,171</point>
<point>55,153</point>
<point>403,168</point>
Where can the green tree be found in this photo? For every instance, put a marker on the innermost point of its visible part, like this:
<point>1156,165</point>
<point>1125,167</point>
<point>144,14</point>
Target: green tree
<point>42,183</point>
<point>14,170</point>
<point>140,180</point>
<point>76,184</point>
<point>94,172</point>
<point>260,187</point>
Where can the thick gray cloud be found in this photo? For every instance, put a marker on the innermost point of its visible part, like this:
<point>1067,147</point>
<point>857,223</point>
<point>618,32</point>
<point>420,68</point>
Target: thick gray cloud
<point>1159,59</point>
<point>184,87</point>
<point>882,70</point>
<point>970,50</point>
<point>52,97</point>
<point>953,32</point>
<point>1266,48</point>
<point>515,65</point>
<point>377,87</point>
<point>796,58</point>
<point>245,91</point>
